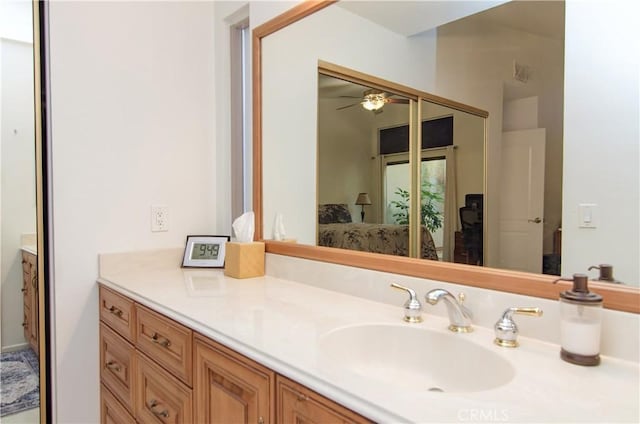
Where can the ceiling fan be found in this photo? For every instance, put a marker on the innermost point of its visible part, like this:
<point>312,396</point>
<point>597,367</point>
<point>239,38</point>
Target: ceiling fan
<point>373,100</point>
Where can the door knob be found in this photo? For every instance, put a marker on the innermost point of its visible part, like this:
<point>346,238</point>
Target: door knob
<point>535,221</point>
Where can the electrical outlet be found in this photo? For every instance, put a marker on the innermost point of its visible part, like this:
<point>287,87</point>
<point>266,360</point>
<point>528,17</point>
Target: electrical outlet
<point>159,218</point>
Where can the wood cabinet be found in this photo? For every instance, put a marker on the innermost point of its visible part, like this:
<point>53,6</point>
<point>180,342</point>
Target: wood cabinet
<point>118,312</point>
<point>166,341</point>
<point>229,387</point>
<point>117,366</point>
<point>298,404</point>
<point>111,411</point>
<point>160,397</point>
<point>149,363</point>
<point>30,297</point>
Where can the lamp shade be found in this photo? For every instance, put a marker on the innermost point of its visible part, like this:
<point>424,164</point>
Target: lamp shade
<point>363,199</point>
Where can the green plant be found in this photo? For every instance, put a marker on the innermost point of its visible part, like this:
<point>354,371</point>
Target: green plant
<point>430,217</point>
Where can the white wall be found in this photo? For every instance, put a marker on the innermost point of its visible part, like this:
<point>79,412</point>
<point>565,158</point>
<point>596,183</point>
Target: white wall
<point>290,58</point>
<point>17,179</point>
<point>344,156</point>
<point>602,135</point>
<point>15,20</point>
<point>132,105</point>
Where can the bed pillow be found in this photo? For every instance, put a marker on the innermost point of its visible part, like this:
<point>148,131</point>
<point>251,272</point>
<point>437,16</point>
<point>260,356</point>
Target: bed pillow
<point>333,213</point>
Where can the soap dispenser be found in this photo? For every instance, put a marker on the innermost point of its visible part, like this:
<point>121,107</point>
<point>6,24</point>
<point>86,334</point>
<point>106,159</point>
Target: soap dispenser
<point>581,317</point>
<point>606,273</point>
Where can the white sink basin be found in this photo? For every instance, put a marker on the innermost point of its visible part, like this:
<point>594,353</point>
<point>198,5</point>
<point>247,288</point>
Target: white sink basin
<point>415,358</point>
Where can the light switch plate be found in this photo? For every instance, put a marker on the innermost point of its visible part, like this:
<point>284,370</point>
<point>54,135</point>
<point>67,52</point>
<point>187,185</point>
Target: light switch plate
<point>588,215</point>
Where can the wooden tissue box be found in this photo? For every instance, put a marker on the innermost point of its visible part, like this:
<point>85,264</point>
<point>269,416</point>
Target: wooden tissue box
<point>244,260</point>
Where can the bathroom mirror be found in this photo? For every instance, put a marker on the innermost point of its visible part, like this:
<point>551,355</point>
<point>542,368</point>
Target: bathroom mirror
<point>25,396</point>
<point>294,114</point>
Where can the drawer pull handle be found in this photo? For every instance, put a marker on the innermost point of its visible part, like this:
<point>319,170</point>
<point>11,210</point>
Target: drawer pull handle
<point>115,311</point>
<point>152,405</point>
<point>24,262</point>
<point>113,366</point>
<point>164,342</point>
<point>302,397</point>
<point>24,324</point>
<point>260,420</point>
<point>23,290</point>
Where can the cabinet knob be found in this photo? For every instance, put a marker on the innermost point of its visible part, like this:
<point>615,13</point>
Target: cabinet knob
<point>152,407</point>
<point>113,366</point>
<point>115,311</point>
<point>260,420</point>
<point>162,341</point>
<point>302,397</point>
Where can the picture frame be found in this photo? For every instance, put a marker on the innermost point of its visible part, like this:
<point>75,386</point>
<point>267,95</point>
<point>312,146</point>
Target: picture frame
<point>205,251</point>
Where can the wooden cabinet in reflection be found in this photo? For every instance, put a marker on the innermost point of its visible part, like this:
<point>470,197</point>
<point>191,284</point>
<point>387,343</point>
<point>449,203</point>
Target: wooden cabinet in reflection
<point>30,297</point>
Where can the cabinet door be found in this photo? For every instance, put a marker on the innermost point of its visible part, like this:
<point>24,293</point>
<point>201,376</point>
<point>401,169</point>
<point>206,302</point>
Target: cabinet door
<point>160,397</point>
<point>111,411</point>
<point>297,404</point>
<point>26,312</point>
<point>34,312</point>
<point>230,388</point>
<point>117,366</point>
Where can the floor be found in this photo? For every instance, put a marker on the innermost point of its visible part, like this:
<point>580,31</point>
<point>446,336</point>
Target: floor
<point>30,416</point>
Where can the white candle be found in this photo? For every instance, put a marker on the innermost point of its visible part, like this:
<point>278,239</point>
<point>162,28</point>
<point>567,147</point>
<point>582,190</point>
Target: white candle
<point>580,336</point>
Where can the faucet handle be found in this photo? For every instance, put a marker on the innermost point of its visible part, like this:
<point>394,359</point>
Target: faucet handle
<point>465,309</point>
<point>412,307</point>
<point>506,328</point>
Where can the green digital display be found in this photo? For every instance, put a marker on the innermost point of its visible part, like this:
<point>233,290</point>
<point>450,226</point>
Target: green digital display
<point>205,251</point>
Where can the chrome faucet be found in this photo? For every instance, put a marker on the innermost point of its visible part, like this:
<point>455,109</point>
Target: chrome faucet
<point>459,315</point>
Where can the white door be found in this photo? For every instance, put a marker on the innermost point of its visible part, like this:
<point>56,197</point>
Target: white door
<point>522,200</point>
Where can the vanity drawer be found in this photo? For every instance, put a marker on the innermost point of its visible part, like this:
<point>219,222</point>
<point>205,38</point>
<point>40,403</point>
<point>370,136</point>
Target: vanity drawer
<point>117,366</point>
<point>298,404</point>
<point>161,398</point>
<point>165,341</point>
<point>111,411</point>
<point>118,312</point>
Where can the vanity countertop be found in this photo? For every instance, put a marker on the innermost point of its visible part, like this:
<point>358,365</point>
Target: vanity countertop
<point>279,323</point>
<point>29,248</point>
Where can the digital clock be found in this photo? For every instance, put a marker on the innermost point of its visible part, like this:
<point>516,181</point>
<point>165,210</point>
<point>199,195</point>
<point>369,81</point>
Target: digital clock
<point>205,251</point>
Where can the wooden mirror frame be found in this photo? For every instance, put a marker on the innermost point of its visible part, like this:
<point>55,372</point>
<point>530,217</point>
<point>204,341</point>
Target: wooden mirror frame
<point>617,297</point>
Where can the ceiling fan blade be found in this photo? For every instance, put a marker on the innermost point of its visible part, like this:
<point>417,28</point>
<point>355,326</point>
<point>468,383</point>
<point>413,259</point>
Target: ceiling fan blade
<point>347,106</point>
<point>400,101</point>
<point>349,97</point>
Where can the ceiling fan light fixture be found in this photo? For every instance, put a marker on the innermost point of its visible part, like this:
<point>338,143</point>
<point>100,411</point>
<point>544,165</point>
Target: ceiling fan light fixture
<point>373,101</point>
